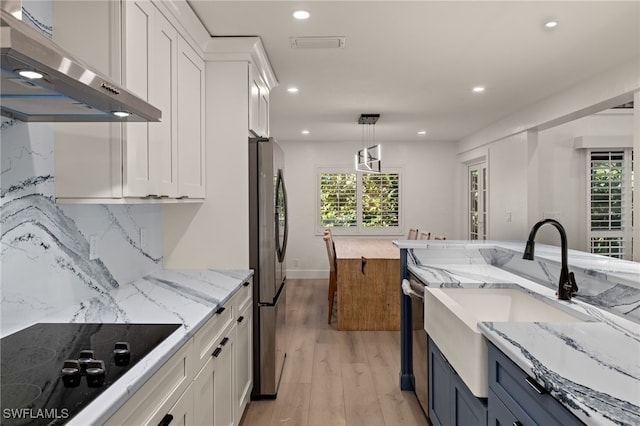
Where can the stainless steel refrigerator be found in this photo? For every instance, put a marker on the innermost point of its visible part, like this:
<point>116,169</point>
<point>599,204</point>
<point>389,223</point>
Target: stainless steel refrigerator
<point>268,231</point>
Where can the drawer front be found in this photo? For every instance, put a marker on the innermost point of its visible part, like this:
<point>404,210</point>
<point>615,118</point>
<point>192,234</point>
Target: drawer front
<point>243,296</point>
<point>156,397</point>
<point>518,392</point>
<point>206,339</point>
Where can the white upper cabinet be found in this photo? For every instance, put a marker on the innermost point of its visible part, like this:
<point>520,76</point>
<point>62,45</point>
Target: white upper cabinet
<point>135,162</point>
<point>260,77</point>
<point>190,123</point>
<point>258,104</point>
<point>88,155</point>
<point>150,70</point>
<point>139,31</point>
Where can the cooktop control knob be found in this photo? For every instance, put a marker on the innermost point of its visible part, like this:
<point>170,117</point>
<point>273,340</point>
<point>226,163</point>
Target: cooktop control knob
<point>95,373</point>
<point>71,374</point>
<point>121,353</point>
<point>84,358</point>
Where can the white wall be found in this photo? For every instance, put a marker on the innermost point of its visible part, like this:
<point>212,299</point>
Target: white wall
<point>552,179</point>
<point>560,172</point>
<point>215,233</point>
<point>507,177</point>
<point>563,183</point>
<point>427,179</point>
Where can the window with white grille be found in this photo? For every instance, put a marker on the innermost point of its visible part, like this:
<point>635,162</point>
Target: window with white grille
<point>338,199</point>
<point>359,202</point>
<point>609,199</point>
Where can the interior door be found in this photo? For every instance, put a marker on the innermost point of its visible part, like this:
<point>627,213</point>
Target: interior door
<point>478,200</point>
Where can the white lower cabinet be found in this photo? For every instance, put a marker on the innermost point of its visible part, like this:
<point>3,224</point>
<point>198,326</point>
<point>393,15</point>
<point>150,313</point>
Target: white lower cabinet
<point>161,393</point>
<point>208,381</point>
<point>181,414</point>
<point>243,355</point>
<point>213,385</point>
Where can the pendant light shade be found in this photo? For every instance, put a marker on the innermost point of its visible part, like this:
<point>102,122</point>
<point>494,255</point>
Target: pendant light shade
<point>368,159</point>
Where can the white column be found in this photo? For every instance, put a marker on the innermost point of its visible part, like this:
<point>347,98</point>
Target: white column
<point>533,179</point>
<point>636,167</point>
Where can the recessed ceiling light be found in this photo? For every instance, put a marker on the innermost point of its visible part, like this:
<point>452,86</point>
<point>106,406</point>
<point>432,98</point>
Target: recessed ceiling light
<point>292,90</point>
<point>422,132</point>
<point>551,24</point>
<point>478,89</point>
<point>305,132</point>
<point>301,14</point>
<point>31,75</point>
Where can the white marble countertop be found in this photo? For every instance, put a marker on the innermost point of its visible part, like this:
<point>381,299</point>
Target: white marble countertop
<point>592,368</point>
<point>187,297</point>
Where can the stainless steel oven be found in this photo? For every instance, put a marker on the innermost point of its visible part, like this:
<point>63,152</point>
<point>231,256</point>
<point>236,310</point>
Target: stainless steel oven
<point>415,289</point>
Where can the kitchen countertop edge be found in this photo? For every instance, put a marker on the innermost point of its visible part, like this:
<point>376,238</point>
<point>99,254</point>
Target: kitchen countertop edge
<point>110,401</point>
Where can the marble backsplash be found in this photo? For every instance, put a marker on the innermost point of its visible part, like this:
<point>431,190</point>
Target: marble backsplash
<point>607,291</point>
<point>44,254</point>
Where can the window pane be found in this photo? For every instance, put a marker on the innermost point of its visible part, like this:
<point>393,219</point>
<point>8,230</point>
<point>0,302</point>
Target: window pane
<point>608,246</point>
<point>609,186</point>
<point>338,192</point>
<point>380,200</point>
<point>606,190</point>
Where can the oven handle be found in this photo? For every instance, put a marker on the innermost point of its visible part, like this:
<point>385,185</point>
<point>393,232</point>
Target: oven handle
<point>408,291</point>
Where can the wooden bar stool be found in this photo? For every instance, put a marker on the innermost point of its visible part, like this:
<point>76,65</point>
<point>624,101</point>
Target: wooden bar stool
<point>333,277</point>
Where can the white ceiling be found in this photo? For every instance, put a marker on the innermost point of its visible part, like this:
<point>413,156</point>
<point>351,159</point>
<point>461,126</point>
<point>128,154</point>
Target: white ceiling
<point>415,62</point>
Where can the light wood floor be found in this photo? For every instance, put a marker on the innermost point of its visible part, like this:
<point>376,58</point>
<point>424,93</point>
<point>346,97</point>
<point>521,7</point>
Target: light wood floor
<point>335,378</point>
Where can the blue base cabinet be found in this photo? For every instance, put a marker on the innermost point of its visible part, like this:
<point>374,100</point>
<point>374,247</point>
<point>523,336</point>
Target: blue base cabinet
<point>451,403</point>
<point>517,399</point>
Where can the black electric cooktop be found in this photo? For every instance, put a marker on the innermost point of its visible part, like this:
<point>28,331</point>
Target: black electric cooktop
<point>51,371</point>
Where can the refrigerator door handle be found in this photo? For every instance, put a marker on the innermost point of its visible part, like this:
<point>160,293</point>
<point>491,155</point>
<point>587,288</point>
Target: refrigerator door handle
<point>281,215</point>
<point>276,298</point>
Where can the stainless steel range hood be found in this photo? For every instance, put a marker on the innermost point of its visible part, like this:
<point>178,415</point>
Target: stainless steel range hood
<point>69,90</point>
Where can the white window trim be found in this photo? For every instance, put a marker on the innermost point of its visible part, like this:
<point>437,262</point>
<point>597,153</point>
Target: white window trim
<point>467,162</point>
<point>359,229</point>
<point>627,232</point>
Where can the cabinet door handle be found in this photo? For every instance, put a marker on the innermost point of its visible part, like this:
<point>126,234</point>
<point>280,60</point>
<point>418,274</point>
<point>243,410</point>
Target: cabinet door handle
<point>240,319</point>
<point>166,420</point>
<point>220,310</point>
<point>224,341</point>
<point>535,385</point>
<point>517,423</point>
<point>216,352</point>
<point>246,284</point>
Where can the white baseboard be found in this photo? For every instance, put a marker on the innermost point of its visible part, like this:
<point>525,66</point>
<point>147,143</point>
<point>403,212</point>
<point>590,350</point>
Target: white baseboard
<point>307,274</point>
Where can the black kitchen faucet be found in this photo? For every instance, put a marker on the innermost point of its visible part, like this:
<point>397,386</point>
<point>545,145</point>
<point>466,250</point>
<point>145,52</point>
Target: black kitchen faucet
<point>567,286</point>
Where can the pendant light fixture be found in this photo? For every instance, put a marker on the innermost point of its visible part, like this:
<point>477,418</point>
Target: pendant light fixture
<point>368,159</point>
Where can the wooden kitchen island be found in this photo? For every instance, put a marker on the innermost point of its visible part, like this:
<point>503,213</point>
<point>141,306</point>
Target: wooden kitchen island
<point>368,281</point>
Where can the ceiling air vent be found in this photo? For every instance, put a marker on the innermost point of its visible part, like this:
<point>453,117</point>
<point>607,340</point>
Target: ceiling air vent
<point>317,42</point>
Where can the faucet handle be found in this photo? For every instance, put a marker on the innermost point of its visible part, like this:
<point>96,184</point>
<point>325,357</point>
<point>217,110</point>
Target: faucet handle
<point>571,287</point>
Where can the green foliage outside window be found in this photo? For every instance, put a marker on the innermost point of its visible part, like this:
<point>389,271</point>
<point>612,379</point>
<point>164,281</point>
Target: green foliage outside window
<point>606,191</point>
<point>380,200</point>
<point>338,203</point>
<point>378,206</point>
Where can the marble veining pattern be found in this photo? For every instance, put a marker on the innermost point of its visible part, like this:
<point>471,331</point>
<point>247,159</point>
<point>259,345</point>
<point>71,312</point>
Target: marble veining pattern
<point>593,367</point>
<point>44,249</point>
<point>540,349</point>
<point>186,297</point>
